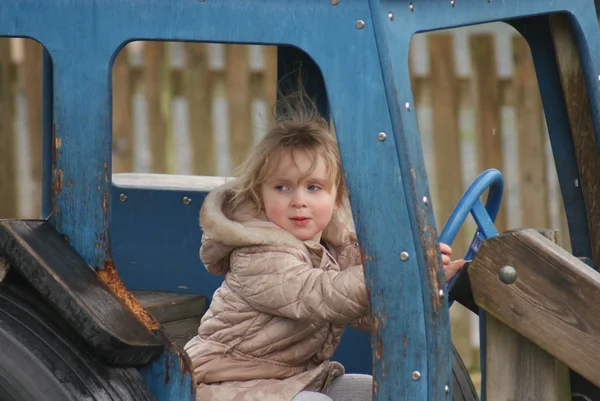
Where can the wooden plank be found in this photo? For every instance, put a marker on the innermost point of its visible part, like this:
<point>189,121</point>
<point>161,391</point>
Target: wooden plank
<point>8,172</point>
<point>182,331</point>
<point>446,135</point>
<point>487,105</point>
<point>169,306</point>
<point>552,303</point>
<point>122,114</point>
<point>582,127</point>
<point>517,369</point>
<point>32,83</point>
<point>198,89</point>
<point>530,137</point>
<point>270,80</point>
<point>154,54</point>
<point>237,77</point>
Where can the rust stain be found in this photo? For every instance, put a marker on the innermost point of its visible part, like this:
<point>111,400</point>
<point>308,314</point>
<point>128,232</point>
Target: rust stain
<point>375,386</point>
<point>57,141</point>
<point>379,349</point>
<point>168,364</point>
<point>69,183</point>
<point>404,341</point>
<point>111,278</point>
<point>57,185</point>
<point>105,202</point>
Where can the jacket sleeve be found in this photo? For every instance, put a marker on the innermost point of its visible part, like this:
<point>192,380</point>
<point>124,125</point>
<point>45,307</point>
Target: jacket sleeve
<point>279,283</point>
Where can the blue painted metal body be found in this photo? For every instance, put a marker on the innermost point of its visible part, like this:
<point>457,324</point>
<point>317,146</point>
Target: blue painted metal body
<point>366,77</point>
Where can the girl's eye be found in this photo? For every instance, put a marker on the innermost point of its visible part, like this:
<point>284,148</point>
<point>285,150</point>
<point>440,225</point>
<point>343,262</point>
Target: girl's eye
<point>281,188</point>
<point>313,187</point>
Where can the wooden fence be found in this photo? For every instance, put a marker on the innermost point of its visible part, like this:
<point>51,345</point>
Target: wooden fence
<point>467,123</point>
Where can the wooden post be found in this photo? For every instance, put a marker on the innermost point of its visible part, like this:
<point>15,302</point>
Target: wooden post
<point>582,127</point>
<point>270,80</point>
<point>198,89</point>
<point>530,136</point>
<point>238,101</point>
<point>446,135</point>
<point>122,115</point>
<point>517,369</point>
<point>8,172</point>
<point>487,103</point>
<point>154,53</point>
<point>32,83</point>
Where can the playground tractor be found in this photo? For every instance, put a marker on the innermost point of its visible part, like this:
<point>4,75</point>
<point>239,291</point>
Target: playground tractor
<point>70,328</point>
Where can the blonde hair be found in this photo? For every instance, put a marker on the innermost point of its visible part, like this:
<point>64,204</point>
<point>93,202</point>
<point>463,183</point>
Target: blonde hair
<point>304,131</point>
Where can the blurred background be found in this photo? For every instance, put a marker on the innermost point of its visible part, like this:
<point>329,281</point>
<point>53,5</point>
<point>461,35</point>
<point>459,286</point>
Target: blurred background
<point>190,108</point>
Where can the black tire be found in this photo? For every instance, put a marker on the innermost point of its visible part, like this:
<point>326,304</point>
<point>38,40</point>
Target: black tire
<point>42,359</point>
<point>462,385</point>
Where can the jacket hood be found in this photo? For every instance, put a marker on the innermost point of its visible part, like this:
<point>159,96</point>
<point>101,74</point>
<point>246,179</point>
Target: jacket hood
<point>224,230</point>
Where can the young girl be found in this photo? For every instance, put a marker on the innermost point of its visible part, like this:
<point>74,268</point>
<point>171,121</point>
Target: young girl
<point>293,275</point>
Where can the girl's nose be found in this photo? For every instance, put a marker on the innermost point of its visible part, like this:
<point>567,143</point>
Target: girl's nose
<point>298,201</point>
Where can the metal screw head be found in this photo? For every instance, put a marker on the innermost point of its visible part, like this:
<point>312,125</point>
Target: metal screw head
<point>508,274</point>
<point>123,198</point>
<point>441,293</point>
<point>407,105</point>
<point>360,24</point>
<point>335,2</point>
<point>411,7</point>
<point>404,256</point>
<point>447,389</point>
<point>416,375</point>
<point>186,200</point>
<point>381,136</point>
<point>452,3</point>
<point>391,16</point>
<point>425,200</point>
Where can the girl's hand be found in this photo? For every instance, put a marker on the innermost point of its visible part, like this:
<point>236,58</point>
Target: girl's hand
<point>450,267</point>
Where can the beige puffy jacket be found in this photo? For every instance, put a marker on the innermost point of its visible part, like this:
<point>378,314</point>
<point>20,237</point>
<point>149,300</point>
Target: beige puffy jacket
<point>279,315</point>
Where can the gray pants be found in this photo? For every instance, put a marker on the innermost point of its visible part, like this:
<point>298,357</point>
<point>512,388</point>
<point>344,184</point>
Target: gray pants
<point>350,387</point>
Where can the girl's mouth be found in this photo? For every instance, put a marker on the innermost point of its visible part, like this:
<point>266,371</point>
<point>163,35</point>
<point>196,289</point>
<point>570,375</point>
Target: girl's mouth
<point>300,221</point>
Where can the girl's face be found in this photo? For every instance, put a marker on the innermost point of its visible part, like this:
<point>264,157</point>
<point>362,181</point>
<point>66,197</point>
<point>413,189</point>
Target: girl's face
<point>300,202</point>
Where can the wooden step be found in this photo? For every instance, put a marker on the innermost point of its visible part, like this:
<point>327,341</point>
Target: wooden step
<point>179,314</point>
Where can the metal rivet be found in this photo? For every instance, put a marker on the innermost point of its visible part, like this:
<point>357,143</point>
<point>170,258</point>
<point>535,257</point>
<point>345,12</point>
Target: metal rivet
<point>335,2</point>
<point>123,198</point>
<point>391,16</point>
<point>452,3</point>
<point>441,293</point>
<point>404,256</point>
<point>425,200</point>
<point>447,389</point>
<point>508,274</point>
<point>576,182</point>
<point>360,24</point>
<point>186,200</point>
<point>416,375</point>
<point>411,7</point>
<point>381,136</point>
<point>598,77</point>
<point>407,105</point>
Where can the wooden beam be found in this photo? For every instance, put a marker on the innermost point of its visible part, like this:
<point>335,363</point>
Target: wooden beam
<point>530,138</point>
<point>517,369</point>
<point>8,173</point>
<point>487,98</point>
<point>552,302</point>
<point>198,89</point>
<point>582,127</point>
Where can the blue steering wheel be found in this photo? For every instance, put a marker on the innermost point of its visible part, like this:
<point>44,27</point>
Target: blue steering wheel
<point>470,202</point>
